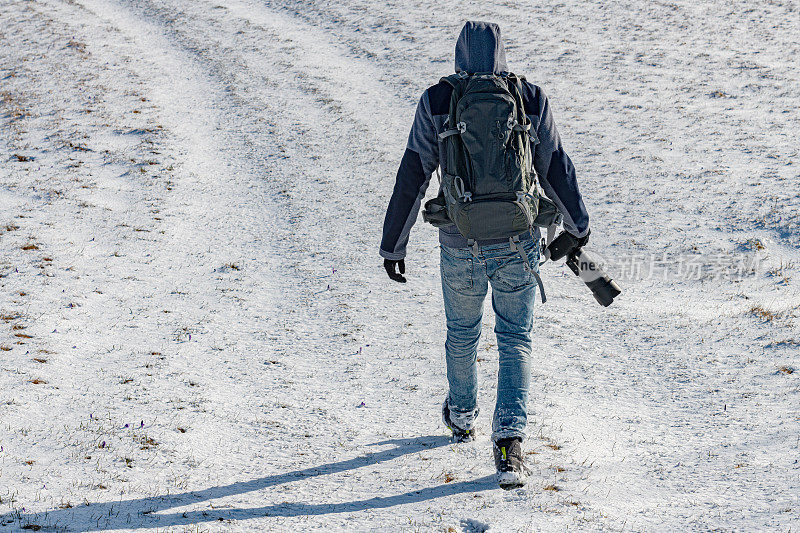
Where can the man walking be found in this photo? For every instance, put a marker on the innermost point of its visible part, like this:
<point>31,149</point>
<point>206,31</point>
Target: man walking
<point>475,210</point>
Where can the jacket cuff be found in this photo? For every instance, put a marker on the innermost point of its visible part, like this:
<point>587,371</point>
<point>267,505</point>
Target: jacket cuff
<point>578,234</point>
<point>391,255</point>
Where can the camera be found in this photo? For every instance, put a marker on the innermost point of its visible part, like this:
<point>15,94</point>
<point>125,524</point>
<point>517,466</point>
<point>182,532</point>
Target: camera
<point>585,267</point>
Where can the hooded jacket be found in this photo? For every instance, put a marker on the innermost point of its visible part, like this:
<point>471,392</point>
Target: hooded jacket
<point>479,49</point>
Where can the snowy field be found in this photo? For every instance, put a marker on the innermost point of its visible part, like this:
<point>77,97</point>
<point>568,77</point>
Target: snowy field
<point>196,332</point>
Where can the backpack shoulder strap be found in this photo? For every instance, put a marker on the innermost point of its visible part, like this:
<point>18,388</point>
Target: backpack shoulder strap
<point>522,117</point>
<point>517,91</point>
<point>454,80</point>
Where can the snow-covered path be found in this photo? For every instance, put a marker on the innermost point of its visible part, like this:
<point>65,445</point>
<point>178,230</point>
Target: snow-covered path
<point>209,340</point>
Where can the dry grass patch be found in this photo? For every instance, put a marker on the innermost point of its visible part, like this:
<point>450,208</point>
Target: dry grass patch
<point>78,47</point>
<point>77,147</point>
<point>753,244</point>
<point>760,312</point>
<point>146,442</point>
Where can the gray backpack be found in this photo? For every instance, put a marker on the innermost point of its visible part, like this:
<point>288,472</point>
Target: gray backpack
<point>489,188</point>
<point>488,184</point>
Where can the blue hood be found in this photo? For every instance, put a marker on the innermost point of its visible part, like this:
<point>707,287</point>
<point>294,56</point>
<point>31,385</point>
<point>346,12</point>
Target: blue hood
<point>480,49</point>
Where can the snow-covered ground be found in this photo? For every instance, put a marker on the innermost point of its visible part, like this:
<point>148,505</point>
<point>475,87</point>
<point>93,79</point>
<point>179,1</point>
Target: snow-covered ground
<point>196,332</point>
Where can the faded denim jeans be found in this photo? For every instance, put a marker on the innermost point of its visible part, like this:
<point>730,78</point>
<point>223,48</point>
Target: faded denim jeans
<point>465,281</point>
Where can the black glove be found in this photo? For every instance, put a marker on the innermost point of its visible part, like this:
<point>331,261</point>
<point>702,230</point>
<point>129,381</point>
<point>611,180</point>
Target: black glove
<point>390,265</point>
<point>581,242</point>
<point>565,244</point>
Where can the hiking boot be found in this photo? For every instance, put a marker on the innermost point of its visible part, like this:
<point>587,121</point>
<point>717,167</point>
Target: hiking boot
<point>511,472</point>
<point>459,435</point>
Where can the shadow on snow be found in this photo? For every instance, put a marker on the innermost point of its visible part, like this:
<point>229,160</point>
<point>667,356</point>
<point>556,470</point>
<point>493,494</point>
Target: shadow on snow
<point>145,512</point>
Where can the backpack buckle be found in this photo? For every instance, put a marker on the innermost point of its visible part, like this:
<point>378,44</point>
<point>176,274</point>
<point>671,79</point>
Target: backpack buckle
<point>460,128</point>
<point>473,247</point>
<point>461,190</point>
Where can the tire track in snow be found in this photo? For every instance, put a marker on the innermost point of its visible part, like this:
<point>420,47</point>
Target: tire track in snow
<point>216,219</point>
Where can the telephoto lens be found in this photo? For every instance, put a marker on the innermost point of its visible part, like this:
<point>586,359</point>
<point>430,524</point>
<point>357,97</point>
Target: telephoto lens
<point>584,266</point>
<point>602,286</point>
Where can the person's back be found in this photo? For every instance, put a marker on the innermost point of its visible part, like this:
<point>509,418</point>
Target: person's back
<point>468,267</point>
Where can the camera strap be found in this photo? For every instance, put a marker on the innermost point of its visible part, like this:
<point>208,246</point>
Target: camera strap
<point>551,235</point>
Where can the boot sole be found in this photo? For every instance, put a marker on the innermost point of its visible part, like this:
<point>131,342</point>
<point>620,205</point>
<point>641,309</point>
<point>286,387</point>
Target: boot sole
<point>462,438</point>
<point>511,480</point>
<point>458,436</point>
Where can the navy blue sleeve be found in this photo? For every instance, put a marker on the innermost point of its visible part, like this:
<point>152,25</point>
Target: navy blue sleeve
<point>413,177</point>
<point>409,189</point>
<point>554,167</point>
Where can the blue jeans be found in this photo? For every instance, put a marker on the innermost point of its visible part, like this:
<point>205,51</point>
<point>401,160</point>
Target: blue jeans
<point>465,282</point>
